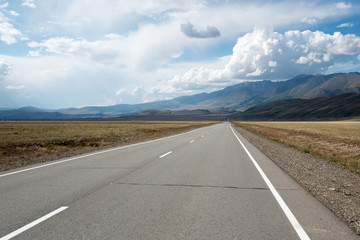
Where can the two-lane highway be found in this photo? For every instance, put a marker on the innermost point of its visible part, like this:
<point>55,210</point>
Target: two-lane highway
<point>209,183</point>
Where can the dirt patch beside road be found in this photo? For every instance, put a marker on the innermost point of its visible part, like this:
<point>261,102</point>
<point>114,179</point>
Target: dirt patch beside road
<point>25,143</point>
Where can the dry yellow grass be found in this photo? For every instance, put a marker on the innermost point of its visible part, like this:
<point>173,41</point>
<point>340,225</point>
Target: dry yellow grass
<point>334,141</point>
<point>24,143</point>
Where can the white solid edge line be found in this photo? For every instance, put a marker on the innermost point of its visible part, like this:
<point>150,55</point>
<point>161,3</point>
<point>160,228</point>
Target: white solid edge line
<point>95,153</point>
<point>32,224</point>
<point>165,154</point>
<point>294,222</point>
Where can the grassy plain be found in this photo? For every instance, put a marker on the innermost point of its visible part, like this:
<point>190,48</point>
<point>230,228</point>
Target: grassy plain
<point>337,142</point>
<point>24,143</point>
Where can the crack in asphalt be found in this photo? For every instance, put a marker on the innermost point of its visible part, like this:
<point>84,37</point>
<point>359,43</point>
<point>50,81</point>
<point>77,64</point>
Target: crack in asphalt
<point>190,185</point>
<point>202,186</point>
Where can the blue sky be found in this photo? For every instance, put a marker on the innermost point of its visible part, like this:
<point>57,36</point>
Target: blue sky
<point>74,53</point>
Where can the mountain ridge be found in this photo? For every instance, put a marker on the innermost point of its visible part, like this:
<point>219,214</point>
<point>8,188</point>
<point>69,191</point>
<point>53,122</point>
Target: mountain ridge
<point>237,97</point>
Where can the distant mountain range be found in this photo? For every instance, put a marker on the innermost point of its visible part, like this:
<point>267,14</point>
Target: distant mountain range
<point>248,94</point>
<point>238,97</point>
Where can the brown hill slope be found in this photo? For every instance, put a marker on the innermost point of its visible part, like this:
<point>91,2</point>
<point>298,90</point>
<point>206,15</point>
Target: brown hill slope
<point>342,106</point>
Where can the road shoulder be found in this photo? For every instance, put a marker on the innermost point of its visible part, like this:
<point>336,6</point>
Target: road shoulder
<point>336,188</point>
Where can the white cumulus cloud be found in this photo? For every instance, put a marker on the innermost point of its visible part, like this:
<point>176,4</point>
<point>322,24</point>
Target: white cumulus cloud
<point>8,33</point>
<point>29,3</point>
<point>13,13</point>
<point>13,87</point>
<point>345,25</point>
<point>308,20</point>
<point>294,52</point>
<point>34,53</point>
<point>343,5</point>
<point>264,54</point>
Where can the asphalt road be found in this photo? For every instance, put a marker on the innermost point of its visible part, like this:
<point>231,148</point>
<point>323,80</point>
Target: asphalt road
<point>199,185</point>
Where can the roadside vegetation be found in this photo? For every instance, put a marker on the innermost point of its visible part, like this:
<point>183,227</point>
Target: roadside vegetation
<point>337,142</point>
<point>24,143</point>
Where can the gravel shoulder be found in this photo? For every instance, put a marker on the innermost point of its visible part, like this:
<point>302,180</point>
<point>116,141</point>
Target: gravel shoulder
<point>335,187</point>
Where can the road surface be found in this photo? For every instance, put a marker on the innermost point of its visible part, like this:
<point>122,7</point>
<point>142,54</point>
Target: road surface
<point>209,183</point>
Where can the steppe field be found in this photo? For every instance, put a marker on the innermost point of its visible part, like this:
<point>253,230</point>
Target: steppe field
<point>24,143</point>
<point>337,142</point>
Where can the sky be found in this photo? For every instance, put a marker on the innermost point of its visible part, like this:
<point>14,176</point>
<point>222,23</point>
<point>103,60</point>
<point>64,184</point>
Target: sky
<point>75,53</point>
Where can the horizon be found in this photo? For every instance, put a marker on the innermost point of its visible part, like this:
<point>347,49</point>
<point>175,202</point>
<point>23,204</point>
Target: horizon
<point>91,53</point>
<point>90,106</point>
